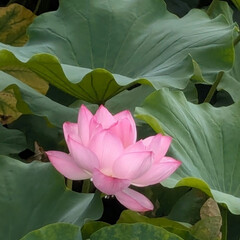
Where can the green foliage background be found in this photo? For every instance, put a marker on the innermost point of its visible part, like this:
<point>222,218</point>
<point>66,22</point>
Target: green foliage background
<point>159,60</point>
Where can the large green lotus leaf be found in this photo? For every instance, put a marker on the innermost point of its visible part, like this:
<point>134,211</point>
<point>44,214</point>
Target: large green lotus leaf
<point>205,227</point>
<point>231,79</point>
<point>36,128</point>
<point>181,7</point>
<point>222,8</point>
<point>140,231</point>
<point>29,101</point>
<point>11,141</point>
<point>90,227</point>
<point>56,231</point>
<point>128,216</point>
<point>205,139</point>
<point>128,99</point>
<point>34,195</point>
<point>135,40</point>
<point>9,64</point>
<point>14,20</point>
<point>96,86</point>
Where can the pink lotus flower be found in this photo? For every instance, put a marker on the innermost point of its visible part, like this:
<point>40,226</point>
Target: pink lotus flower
<point>103,147</point>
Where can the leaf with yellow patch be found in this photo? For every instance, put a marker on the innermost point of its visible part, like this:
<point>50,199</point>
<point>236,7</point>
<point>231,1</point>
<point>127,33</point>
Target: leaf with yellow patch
<point>8,109</point>
<point>11,65</point>
<point>14,21</point>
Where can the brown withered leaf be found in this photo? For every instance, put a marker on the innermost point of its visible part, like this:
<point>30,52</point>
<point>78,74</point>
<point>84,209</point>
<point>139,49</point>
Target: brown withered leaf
<point>210,209</point>
<point>208,228</point>
<point>39,154</point>
<point>14,20</point>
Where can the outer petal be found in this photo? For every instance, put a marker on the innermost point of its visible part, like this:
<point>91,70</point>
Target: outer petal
<point>70,129</point>
<point>159,144</point>
<point>125,131</point>
<point>132,165</point>
<point>66,166</point>
<point>134,200</point>
<point>107,184</point>
<point>107,148</point>
<point>84,118</point>
<point>104,117</point>
<point>158,172</point>
<point>83,156</point>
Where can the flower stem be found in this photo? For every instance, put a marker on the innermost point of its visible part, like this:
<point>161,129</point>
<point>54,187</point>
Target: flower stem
<point>37,7</point>
<point>86,186</point>
<point>214,87</point>
<point>69,184</point>
<point>211,7</point>
<point>224,213</point>
<point>10,2</point>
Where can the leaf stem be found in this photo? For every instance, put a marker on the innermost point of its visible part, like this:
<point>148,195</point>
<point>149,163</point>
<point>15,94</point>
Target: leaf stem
<point>211,7</point>
<point>214,87</point>
<point>224,213</point>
